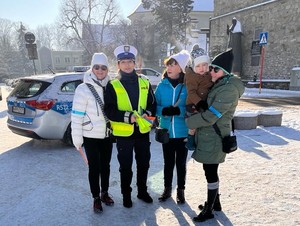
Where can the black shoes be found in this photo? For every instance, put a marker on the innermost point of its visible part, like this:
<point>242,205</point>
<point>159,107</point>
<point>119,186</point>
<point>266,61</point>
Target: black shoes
<point>145,197</point>
<point>105,198</point>
<point>204,215</point>
<point>217,205</point>
<point>180,196</point>
<point>127,202</point>
<point>166,194</point>
<point>97,205</point>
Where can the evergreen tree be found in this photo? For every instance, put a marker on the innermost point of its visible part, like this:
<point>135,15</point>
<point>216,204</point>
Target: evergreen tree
<point>25,65</point>
<point>172,17</point>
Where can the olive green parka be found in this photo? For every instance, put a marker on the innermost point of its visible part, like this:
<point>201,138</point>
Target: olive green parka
<point>222,101</point>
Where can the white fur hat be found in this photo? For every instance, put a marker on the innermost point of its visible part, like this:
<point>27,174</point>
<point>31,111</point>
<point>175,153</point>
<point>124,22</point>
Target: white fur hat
<point>99,58</point>
<point>182,58</point>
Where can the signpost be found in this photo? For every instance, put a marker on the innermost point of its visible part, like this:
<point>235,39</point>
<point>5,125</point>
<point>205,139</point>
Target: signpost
<point>31,48</point>
<point>263,40</point>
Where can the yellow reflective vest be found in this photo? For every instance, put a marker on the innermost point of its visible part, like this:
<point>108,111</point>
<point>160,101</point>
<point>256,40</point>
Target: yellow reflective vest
<point>123,129</point>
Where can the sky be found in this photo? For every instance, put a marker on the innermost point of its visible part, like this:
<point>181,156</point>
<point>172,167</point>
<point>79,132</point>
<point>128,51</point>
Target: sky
<point>40,12</point>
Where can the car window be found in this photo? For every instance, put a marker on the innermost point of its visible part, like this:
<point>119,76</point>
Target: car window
<point>70,86</point>
<point>29,88</point>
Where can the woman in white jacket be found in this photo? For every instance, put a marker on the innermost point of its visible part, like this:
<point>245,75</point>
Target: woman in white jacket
<point>89,129</point>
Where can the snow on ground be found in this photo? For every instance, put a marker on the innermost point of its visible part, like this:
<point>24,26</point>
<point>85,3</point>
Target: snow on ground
<point>45,182</point>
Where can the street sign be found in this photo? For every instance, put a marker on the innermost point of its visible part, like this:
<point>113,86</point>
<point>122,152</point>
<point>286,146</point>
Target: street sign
<point>32,51</point>
<point>263,38</point>
<point>29,37</point>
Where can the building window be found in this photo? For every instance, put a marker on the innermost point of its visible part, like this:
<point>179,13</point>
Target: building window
<point>76,60</point>
<point>67,60</point>
<point>57,60</point>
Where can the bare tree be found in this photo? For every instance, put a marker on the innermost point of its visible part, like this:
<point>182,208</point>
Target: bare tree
<point>88,20</point>
<point>45,35</point>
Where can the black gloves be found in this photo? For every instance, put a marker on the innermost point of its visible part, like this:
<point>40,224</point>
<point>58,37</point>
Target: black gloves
<point>190,108</point>
<point>170,111</point>
<point>202,105</point>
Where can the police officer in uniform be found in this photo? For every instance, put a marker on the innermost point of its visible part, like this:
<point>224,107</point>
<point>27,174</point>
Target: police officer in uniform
<point>128,98</point>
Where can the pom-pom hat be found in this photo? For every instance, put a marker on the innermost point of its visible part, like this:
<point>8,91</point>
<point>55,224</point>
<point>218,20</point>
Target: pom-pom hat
<point>198,56</point>
<point>182,58</point>
<point>224,61</point>
<point>125,52</point>
<point>99,58</point>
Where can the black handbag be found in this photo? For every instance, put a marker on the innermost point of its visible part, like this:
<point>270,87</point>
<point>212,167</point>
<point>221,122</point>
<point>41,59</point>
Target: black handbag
<point>229,142</point>
<point>161,135</point>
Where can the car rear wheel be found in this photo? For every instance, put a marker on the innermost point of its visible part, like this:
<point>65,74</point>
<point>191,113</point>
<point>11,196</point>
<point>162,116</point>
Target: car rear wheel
<point>68,136</point>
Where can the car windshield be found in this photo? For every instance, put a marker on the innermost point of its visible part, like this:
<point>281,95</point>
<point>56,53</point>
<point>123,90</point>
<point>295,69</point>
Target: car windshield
<point>29,88</point>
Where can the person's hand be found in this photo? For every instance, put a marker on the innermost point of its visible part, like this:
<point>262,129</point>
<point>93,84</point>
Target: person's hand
<point>132,118</point>
<point>170,111</point>
<point>202,105</point>
<point>191,108</point>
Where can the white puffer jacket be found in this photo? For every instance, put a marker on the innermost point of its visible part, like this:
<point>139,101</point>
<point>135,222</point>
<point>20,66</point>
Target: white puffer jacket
<point>87,119</point>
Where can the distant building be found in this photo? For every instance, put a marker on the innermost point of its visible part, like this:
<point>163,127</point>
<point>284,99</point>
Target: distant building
<point>197,32</point>
<point>58,61</point>
<point>277,17</point>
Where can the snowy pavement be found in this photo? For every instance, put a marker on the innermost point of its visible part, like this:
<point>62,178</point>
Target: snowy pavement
<point>45,182</point>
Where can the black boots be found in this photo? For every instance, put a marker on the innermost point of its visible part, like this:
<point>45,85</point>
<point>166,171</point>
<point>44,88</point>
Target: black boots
<point>127,202</point>
<point>180,196</point>
<point>166,194</point>
<point>217,205</point>
<point>145,197</point>
<point>206,212</point>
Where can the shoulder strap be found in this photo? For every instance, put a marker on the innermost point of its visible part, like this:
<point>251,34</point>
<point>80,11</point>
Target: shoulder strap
<point>217,130</point>
<point>177,99</point>
<point>97,97</point>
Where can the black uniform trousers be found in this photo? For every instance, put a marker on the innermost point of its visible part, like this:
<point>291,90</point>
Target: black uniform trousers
<point>141,147</point>
<point>175,152</point>
<point>98,152</point>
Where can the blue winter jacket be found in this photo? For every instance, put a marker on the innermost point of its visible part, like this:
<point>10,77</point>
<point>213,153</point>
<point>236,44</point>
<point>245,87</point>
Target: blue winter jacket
<point>166,95</point>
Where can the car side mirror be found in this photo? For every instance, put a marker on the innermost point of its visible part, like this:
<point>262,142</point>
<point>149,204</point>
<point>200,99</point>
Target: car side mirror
<point>157,74</point>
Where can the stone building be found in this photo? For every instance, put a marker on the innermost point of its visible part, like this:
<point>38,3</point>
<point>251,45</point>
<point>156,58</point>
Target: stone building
<point>280,18</point>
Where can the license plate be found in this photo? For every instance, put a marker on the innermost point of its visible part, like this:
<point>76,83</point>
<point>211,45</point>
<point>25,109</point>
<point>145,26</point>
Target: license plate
<point>18,110</point>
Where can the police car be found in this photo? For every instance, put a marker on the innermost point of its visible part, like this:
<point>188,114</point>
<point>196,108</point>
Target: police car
<point>153,75</point>
<point>40,106</point>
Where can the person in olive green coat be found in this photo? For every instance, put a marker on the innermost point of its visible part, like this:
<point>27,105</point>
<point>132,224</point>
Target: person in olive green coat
<point>222,101</point>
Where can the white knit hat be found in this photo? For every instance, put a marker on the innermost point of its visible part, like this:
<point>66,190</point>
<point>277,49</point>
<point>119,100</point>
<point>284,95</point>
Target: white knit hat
<point>99,58</point>
<point>199,56</point>
<point>182,58</point>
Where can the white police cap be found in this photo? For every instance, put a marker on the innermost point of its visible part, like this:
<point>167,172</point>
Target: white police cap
<point>125,52</point>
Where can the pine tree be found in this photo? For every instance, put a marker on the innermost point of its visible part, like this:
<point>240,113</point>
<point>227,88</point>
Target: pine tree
<point>172,17</point>
<point>26,67</point>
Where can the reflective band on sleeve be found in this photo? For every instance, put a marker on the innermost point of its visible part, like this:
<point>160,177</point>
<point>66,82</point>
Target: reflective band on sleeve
<point>213,110</point>
<point>78,112</point>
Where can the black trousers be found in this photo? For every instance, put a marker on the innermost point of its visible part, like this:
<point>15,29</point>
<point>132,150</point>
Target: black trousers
<point>175,152</point>
<point>141,147</point>
<point>98,152</point>
<point>211,172</point>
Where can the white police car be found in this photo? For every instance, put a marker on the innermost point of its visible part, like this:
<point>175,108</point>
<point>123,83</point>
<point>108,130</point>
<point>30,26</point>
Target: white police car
<point>40,106</point>
<point>153,75</point>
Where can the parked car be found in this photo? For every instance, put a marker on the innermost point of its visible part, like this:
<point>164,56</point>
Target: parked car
<point>40,106</point>
<point>153,75</point>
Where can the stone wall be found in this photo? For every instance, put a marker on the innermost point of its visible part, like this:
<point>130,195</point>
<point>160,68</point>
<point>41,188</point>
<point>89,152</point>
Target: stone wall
<point>279,18</point>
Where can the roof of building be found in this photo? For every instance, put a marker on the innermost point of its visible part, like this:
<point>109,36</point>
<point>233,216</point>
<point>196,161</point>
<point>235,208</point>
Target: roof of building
<point>198,5</point>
